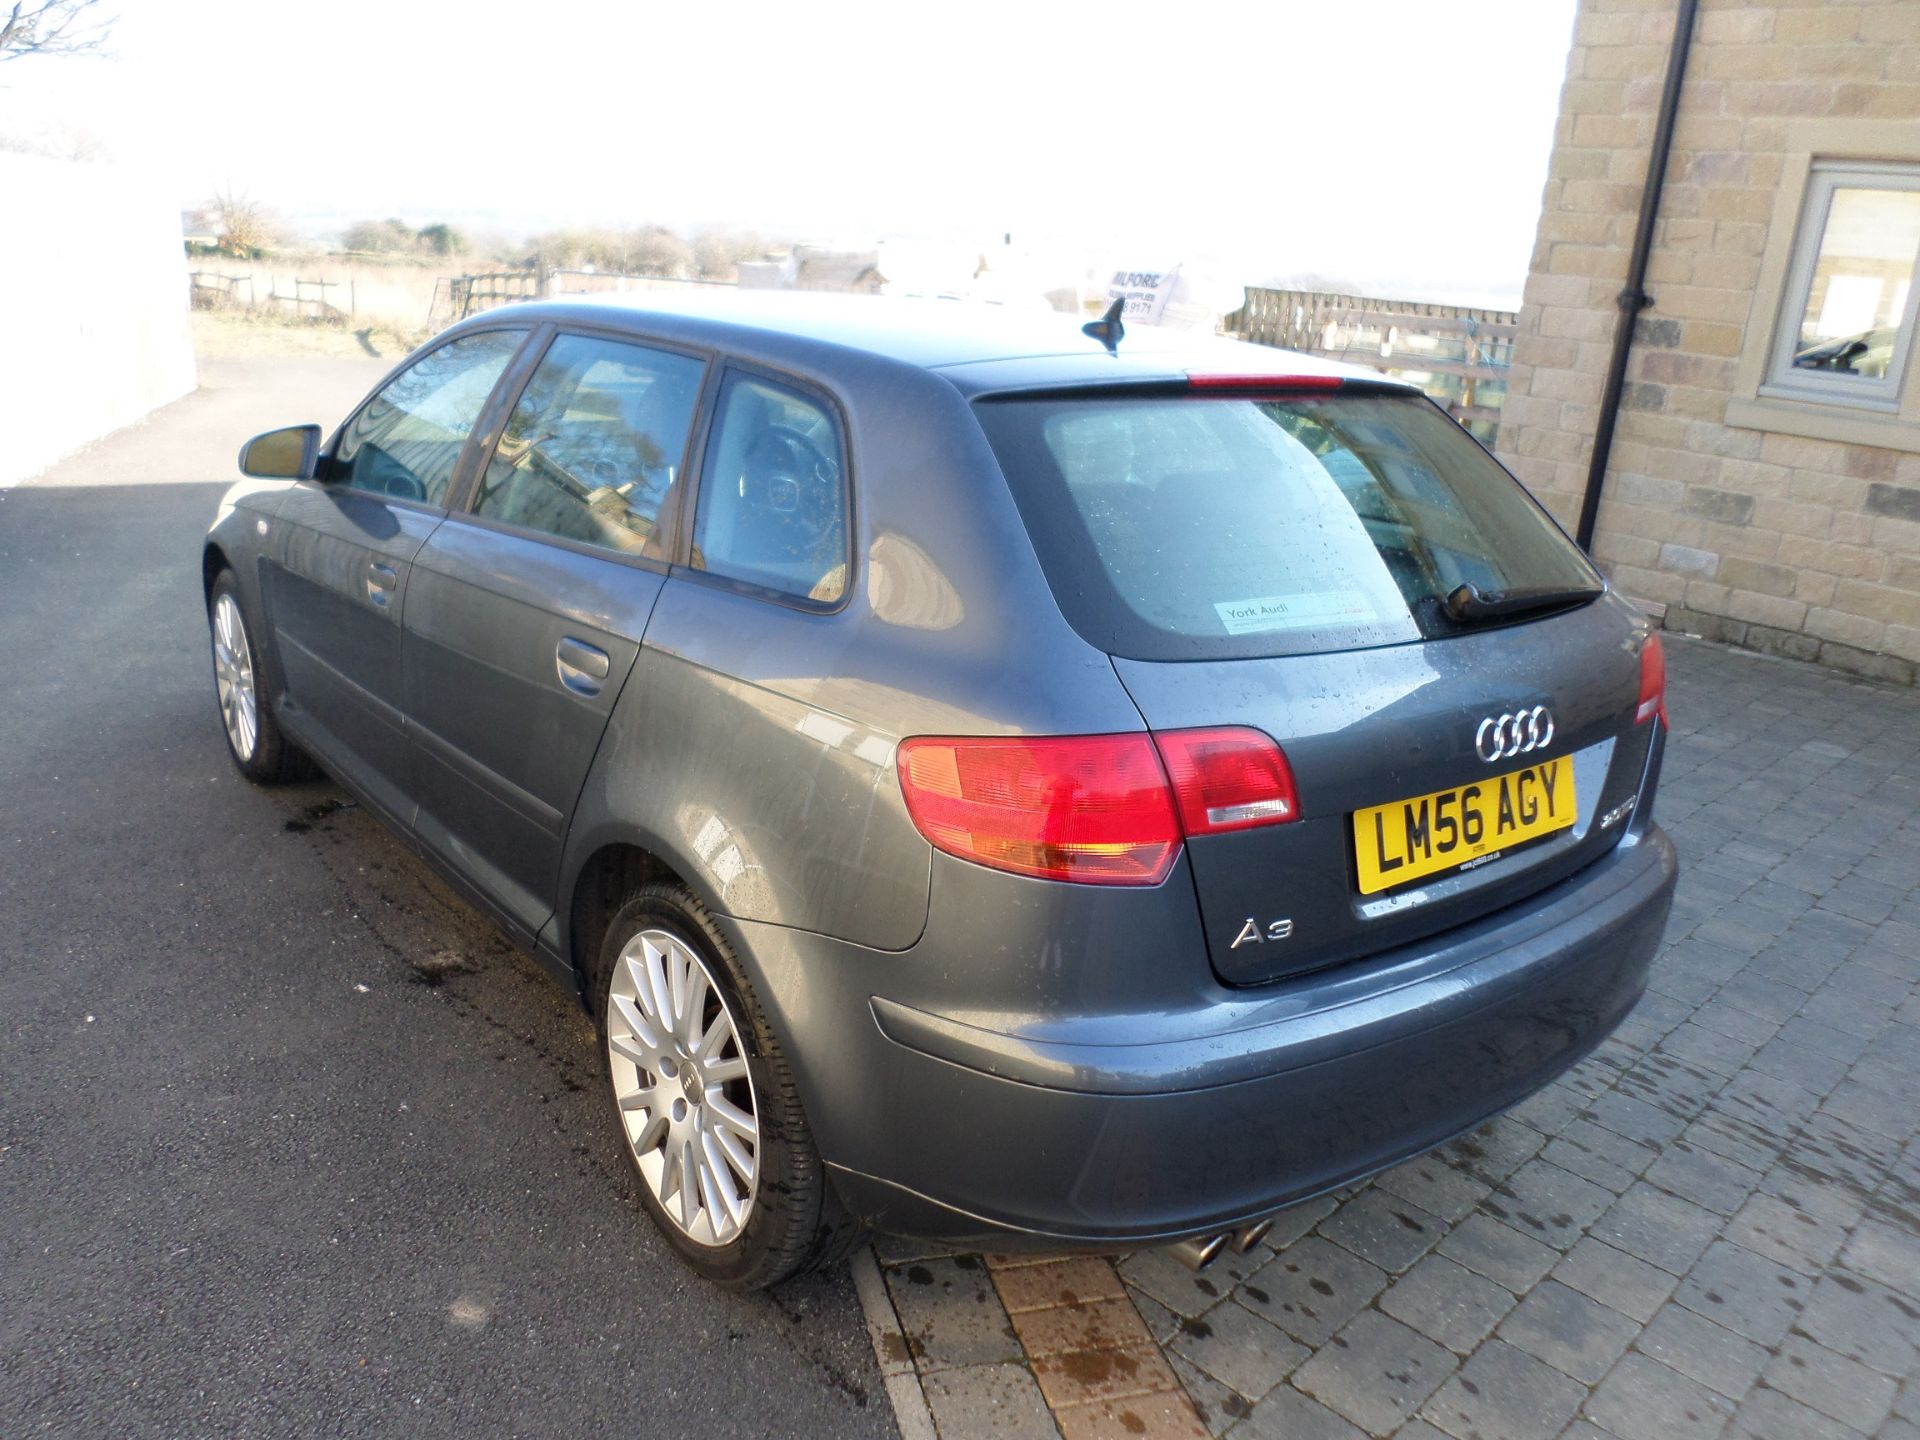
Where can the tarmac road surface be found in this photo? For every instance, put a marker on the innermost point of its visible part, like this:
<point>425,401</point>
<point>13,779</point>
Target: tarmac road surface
<point>291,1140</point>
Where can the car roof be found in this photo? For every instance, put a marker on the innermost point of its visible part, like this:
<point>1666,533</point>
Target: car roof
<point>978,347</point>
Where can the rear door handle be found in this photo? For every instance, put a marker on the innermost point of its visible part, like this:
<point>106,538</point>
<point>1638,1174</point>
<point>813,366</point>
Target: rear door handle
<point>381,581</point>
<point>582,666</point>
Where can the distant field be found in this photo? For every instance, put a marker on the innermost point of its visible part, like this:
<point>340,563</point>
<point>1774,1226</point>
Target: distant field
<point>322,305</point>
<point>219,335</point>
<point>368,292</point>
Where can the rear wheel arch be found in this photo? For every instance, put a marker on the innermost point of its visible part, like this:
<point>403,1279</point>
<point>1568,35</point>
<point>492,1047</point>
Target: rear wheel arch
<point>795,1220</point>
<point>606,880</point>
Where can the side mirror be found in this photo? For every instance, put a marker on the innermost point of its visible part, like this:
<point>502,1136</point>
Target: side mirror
<point>289,454</point>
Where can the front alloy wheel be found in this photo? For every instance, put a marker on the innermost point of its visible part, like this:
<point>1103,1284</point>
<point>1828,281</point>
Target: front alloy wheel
<point>681,1083</point>
<point>264,755</point>
<point>233,677</point>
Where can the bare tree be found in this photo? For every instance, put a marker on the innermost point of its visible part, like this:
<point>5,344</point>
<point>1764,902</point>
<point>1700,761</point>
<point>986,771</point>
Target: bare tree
<point>380,237</point>
<point>718,253</point>
<point>656,250</point>
<point>55,140</point>
<point>245,226</point>
<point>51,27</point>
<point>443,239</point>
<point>649,250</point>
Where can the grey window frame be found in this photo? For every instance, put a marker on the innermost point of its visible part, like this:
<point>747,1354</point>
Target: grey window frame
<point>1782,380</point>
<point>674,515</point>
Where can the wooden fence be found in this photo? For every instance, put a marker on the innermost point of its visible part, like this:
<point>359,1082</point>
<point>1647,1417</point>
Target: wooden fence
<point>317,298</point>
<point>458,296</point>
<point>1458,355</point>
<point>210,289</point>
<point>213,289</point>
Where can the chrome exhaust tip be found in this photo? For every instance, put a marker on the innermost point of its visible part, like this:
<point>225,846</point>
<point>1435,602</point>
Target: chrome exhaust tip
<point>1201,1251</point>
<point>1248,1236</point>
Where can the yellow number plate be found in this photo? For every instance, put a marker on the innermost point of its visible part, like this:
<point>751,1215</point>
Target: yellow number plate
<point>1410,839</point>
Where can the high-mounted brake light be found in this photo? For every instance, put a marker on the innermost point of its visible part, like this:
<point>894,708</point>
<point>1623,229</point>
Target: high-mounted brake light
<point>1265,382</point>
<point>1653,682</point>
<point>1096,809</point>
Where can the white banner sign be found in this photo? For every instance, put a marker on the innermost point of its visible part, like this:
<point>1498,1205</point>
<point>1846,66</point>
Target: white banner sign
<point>1145,292</point>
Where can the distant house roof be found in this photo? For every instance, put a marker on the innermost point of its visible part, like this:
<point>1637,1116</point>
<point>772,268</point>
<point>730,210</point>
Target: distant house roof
<point>765,274</point>
<point>855,273</point>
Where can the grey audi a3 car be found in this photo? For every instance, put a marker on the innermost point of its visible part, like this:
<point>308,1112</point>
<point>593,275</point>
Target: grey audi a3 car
<point>987,777</point>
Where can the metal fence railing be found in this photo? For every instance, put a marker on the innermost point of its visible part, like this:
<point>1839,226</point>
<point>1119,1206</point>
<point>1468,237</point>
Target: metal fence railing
<point>1458,354</point>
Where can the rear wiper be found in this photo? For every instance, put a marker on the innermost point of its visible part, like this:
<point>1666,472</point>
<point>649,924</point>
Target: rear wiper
<point>1469,602</point>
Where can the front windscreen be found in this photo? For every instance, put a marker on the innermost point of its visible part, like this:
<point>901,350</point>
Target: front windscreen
<point>1194,527</point>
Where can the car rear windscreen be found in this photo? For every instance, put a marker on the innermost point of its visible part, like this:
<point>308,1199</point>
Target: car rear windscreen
<point>1182,527</point>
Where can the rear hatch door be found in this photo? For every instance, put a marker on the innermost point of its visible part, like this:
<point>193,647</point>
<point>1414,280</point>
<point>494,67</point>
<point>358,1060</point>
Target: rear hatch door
<point>1339,565</point>
<point>1405,828</point>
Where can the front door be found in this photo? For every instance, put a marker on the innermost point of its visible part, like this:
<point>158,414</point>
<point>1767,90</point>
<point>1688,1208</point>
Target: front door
<point>526,609</point>
<point>337,573</point>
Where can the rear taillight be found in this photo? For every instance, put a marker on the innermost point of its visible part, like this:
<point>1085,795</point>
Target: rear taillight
<point>1096,809</point>
<point>1653,682</point>
<point>1228,779</point>
<point>1092,808</point>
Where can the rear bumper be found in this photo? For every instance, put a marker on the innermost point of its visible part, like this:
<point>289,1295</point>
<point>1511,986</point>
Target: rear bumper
<point>1220,1113</point>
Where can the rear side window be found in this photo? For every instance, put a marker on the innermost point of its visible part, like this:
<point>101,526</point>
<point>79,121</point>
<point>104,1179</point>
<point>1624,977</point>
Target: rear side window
<point>773,500</point>
<point>1194,527</point>
<point>594,446</point>
<point>406,441</point>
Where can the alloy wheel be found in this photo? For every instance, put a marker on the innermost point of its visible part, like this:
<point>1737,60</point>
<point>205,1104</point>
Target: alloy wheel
<point>233,677</point>
<point>681,1083</point>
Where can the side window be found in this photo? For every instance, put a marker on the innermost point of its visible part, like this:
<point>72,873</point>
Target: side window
<point>407,439</point>
<point>593,449</point>
<point>772,503</point>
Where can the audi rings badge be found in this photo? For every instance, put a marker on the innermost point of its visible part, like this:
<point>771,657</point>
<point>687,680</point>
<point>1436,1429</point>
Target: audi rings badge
<point>1520,732</point>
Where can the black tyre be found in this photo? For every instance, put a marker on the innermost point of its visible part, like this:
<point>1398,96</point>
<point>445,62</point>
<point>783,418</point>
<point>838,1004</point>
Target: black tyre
<point>254,739</point>
<point>704,1101</point>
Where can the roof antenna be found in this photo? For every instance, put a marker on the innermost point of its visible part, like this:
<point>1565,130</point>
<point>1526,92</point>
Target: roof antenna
<point>1107,329</point>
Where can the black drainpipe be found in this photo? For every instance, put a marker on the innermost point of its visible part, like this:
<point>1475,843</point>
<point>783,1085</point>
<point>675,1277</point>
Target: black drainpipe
<point>1634,298</point>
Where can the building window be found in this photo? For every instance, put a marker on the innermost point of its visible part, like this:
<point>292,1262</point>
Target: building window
<point>1847,322</point>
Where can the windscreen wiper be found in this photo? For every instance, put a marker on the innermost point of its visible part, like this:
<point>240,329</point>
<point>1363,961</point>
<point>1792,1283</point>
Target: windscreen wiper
<point>1469,602</point>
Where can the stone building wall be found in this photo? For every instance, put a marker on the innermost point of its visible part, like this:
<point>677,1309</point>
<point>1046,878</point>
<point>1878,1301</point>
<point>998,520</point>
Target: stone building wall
<point>1789,534</point>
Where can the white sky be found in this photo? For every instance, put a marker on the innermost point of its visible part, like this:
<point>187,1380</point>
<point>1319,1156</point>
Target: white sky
<point>1401,143</point>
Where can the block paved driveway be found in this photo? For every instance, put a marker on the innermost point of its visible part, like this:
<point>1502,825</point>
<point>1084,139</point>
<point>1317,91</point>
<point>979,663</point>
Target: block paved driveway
<point>1711,1226</point>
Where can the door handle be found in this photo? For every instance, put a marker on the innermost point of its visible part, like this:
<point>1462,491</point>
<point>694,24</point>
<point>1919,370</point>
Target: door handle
<point>582,666</point>
<point>381,581</point>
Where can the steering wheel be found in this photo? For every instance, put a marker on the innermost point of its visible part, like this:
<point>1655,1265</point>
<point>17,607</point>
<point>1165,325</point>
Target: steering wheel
<point>797,479</point>
<point>374,469</point>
